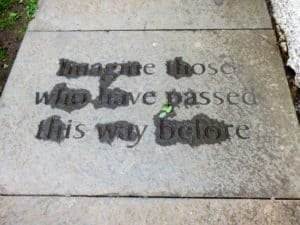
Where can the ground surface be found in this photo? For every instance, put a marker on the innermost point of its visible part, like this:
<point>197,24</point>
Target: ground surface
<point>82,144</point>
<point>14,17</point>
<point>143,211</point>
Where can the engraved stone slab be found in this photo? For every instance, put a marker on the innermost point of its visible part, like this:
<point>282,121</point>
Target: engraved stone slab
<point>57,210</point>
<point>150,14</point>
<point>160,113</point>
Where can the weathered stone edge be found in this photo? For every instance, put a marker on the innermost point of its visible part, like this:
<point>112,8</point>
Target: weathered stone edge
<point>39,24</point>
<point>287,17</point>
<point>83,210</point>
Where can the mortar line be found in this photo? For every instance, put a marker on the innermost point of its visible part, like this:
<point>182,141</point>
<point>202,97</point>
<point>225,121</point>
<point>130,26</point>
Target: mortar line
<point>144,30</point>
<point>148,197</point>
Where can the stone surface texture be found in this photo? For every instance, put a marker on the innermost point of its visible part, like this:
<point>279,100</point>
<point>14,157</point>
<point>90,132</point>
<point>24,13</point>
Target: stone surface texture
<point>266,165</point>
<point>287,16</point>
<point>113,184</point>
<point>107,211</point>
<point>150,14</point>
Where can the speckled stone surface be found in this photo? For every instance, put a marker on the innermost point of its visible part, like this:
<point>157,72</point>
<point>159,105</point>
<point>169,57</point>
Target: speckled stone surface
<point>287,18</point>
<point>150,14</point>
<point>266,164</point>
<point>107,211</point>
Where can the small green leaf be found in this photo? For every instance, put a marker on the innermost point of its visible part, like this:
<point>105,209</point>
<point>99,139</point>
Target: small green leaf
<point>12,17</point>
<point>167,108</point>
<point>5,4</point>
<point>162,115</point>
<point>31,7</point>
<point>2,54</point>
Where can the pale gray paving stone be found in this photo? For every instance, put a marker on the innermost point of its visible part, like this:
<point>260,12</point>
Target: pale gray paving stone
<point>266,165</point>
<point>108,211</point>
<point>150,14</point>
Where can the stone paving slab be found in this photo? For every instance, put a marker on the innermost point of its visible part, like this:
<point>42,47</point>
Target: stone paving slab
<point>104,211</point>
<point>243,91</point>
<point>153,14</point>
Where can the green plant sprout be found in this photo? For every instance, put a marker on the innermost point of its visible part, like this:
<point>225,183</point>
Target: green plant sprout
<point>2,54</point>
<point>165,110</point>
<point>31,7</point>
<point>5,4</point>
<point>5,66</point>
<point>12,17</point>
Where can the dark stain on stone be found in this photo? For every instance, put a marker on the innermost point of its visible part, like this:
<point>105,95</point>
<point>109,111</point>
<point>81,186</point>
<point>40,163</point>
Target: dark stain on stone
<point>62,97</point>
<point>198,131</point>
<point>108,74</point>
<point>71,69</point>
<point>112,98</point>
<point>174,97</point>
<point>51,129</point>
<point>109,98</point>
<point>108,132</point>
<point>113,70</point>
<point>219,2</point>
<point>179,68</point>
